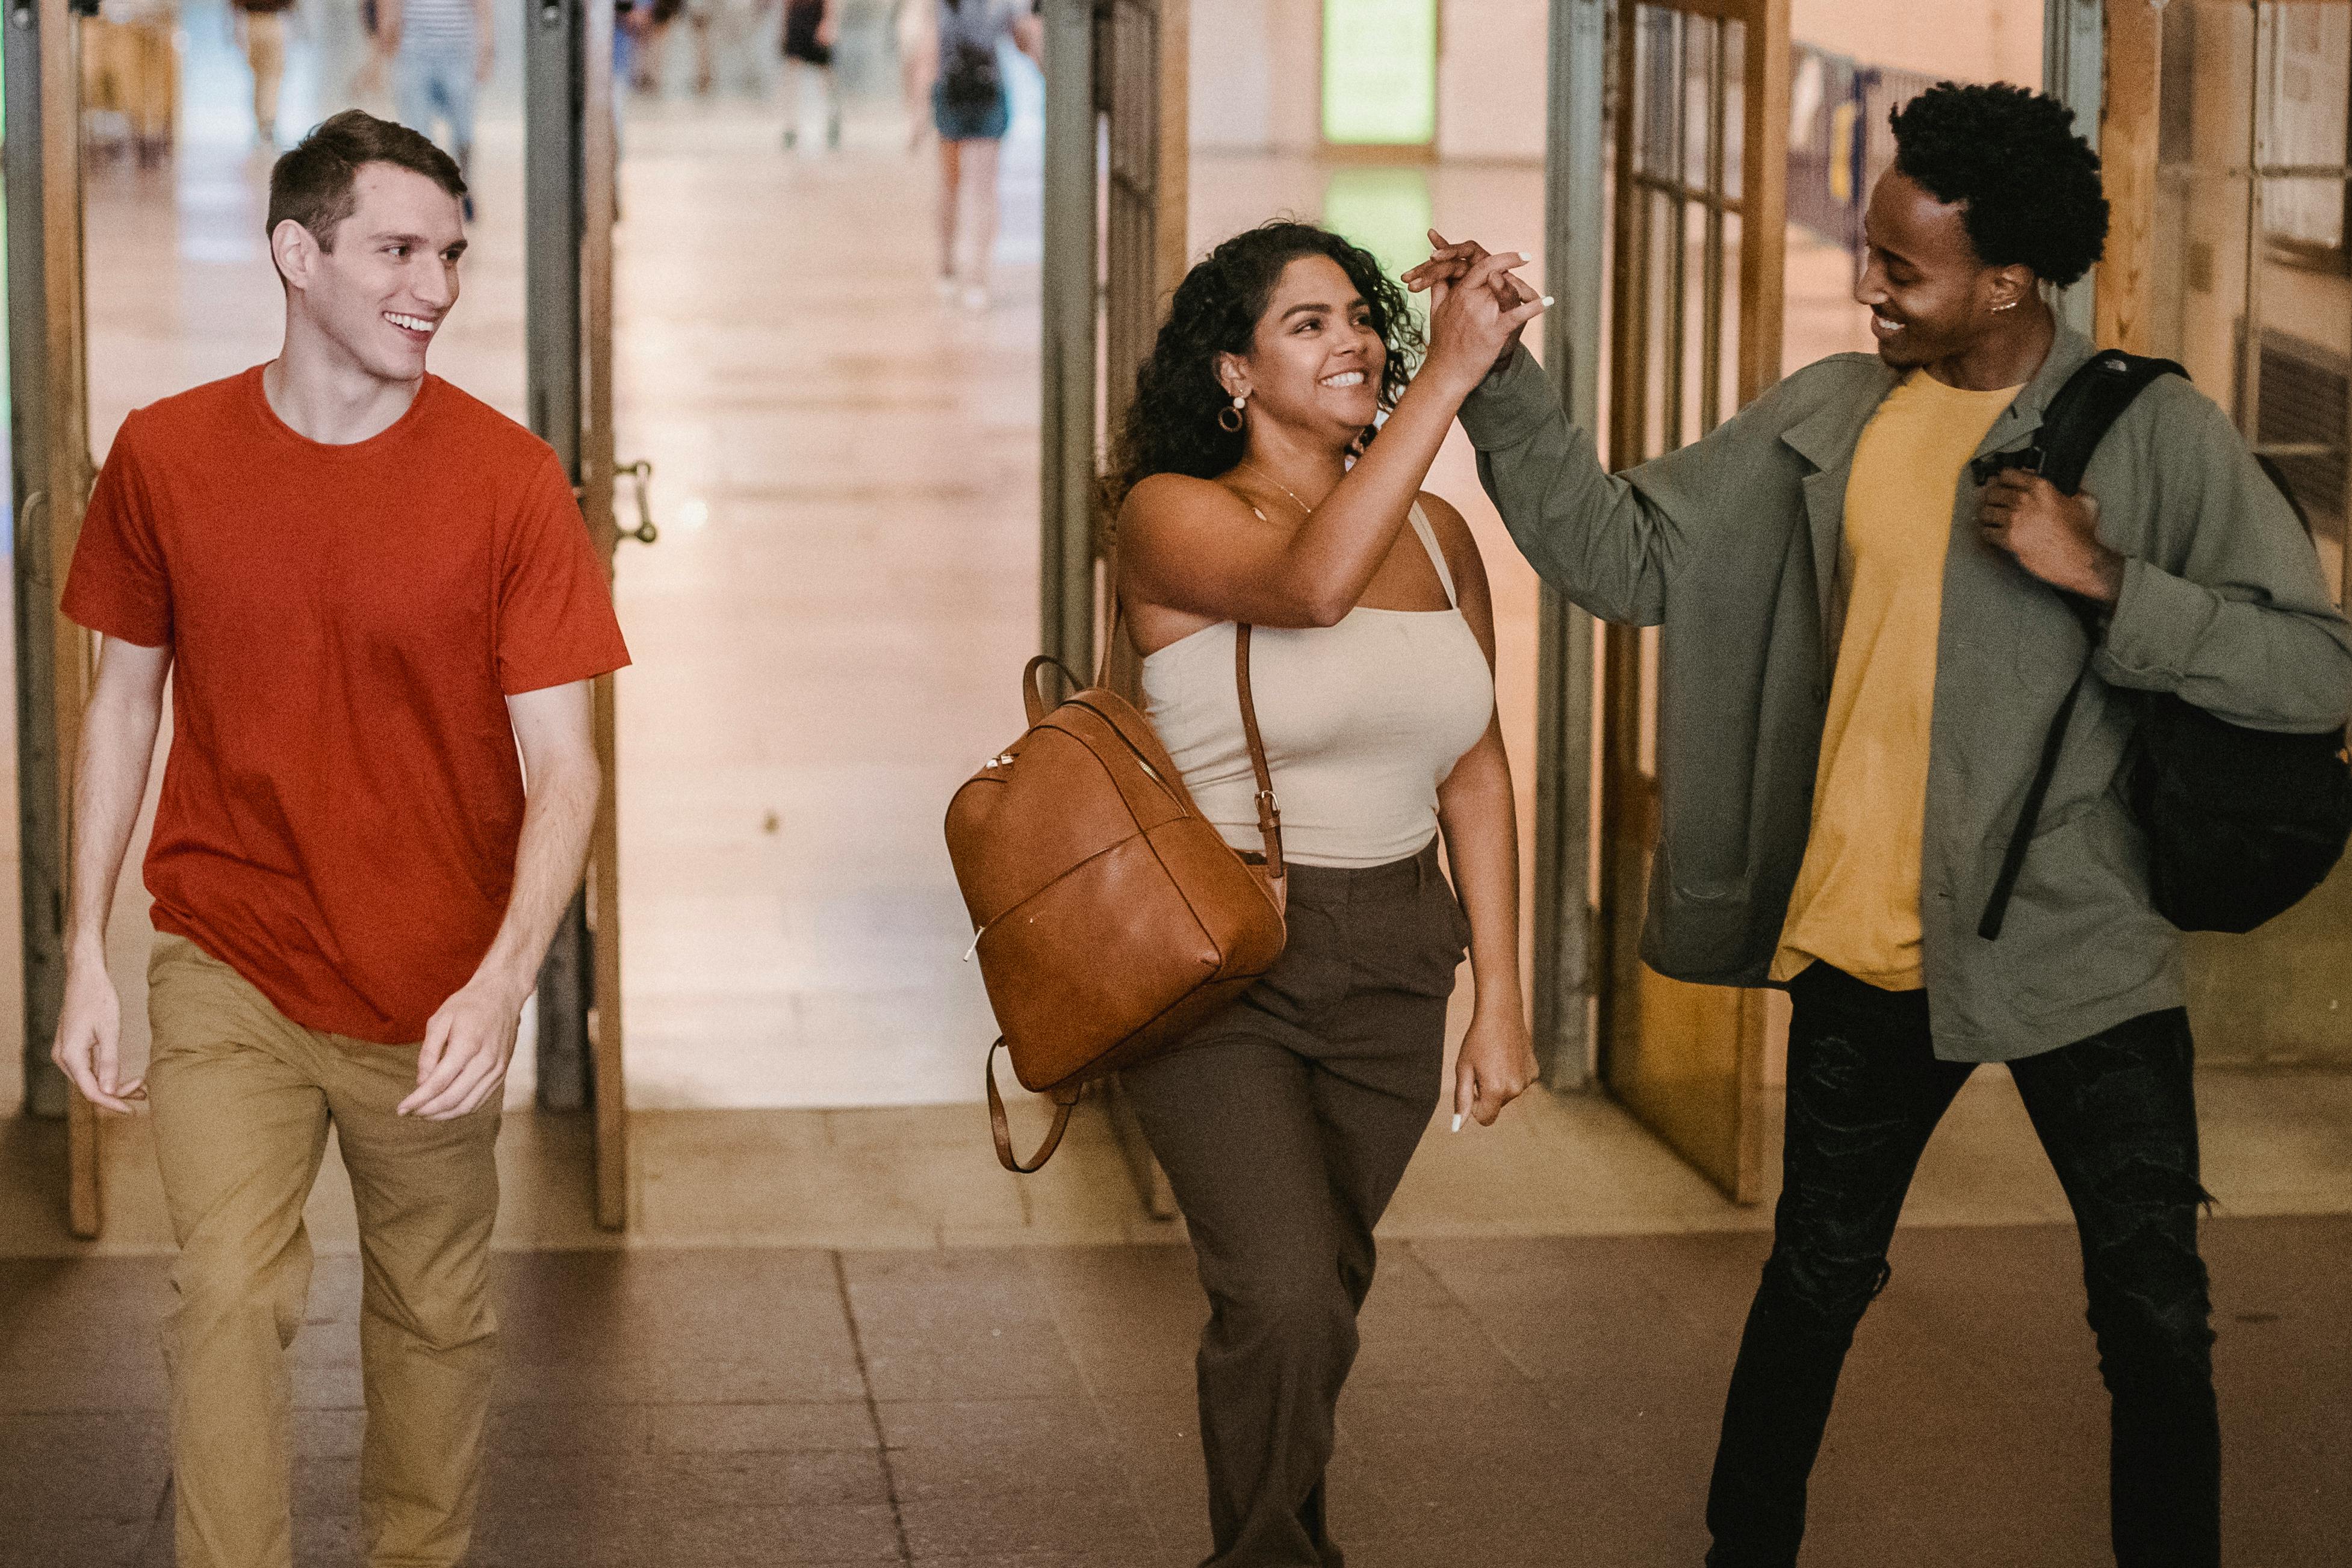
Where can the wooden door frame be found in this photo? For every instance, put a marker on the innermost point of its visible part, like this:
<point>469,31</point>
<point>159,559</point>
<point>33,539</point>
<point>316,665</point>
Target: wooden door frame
<point>49,373</point>
<point>1629,804</point>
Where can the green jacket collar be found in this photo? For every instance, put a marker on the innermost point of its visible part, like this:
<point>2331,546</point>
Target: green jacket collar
<point>1827,437</point>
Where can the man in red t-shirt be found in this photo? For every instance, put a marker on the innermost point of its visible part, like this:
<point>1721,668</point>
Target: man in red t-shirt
<point>370,592</point>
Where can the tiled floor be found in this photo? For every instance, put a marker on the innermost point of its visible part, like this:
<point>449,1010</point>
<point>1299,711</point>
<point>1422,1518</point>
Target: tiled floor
<point>923,1178</point>
<point>1516,1404</point>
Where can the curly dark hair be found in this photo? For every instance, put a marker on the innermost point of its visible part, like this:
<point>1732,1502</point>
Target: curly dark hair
<point>1170,427</point>
<point>2027,185</point>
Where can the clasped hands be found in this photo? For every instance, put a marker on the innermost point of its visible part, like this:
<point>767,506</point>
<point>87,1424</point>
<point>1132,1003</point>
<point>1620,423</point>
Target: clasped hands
<point>1476,309</point>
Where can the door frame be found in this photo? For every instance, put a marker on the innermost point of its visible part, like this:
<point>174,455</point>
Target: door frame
<point>1561,979</point>
<point>570,162</point>
<point>52,475</point>
<point>1629,794</point>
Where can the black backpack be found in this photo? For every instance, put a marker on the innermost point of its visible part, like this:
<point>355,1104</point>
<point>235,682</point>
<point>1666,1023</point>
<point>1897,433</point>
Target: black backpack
<point>972,82</point>
<point>2241,823</point>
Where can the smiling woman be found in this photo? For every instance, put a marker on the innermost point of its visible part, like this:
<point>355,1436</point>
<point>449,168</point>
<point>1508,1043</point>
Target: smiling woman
<point>1255,495</point>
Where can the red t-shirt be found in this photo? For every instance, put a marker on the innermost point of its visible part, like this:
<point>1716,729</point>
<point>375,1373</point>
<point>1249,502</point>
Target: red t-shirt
<point>344,798</point>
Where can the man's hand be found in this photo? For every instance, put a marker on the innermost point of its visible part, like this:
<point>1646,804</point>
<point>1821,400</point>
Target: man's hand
<point>1449,265</point>
<point>89,1037</point>
<point>1475,319</point>
<point>467,1045</point>
<point>2055,536</point>
<point>1496,1064</point>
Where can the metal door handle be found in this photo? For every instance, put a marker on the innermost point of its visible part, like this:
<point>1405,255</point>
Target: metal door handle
<point>641,475</point>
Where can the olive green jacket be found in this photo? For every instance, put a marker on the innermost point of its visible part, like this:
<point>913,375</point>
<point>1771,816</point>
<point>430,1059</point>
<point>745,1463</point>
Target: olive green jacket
<point>1732,545</point>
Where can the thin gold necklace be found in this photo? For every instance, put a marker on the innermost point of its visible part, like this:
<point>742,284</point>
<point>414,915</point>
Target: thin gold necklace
<point>1278,484</point>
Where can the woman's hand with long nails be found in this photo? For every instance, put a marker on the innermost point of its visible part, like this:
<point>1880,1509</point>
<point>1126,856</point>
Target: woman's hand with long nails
<point>1475,319</point>
<point>1452,263</point>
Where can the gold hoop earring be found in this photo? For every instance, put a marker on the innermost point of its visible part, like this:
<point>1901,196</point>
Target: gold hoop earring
<point>1231,419</point>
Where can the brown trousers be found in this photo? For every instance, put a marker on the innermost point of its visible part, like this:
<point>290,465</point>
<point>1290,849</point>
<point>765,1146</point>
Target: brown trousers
<point>1285,1124</point>
<point>242,1100</point>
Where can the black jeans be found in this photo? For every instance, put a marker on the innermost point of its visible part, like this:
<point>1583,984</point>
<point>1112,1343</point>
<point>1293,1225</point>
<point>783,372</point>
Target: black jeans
<point>2116,1114</point>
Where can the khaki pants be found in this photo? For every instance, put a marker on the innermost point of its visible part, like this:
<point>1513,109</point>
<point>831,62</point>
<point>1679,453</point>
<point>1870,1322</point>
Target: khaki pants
<point>242,1100</point>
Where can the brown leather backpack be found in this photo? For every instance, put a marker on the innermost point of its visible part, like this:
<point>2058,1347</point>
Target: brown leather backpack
<point>1110,915</point>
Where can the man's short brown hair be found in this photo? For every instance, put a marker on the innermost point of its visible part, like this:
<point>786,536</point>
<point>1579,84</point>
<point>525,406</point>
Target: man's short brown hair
<point>314,184</point>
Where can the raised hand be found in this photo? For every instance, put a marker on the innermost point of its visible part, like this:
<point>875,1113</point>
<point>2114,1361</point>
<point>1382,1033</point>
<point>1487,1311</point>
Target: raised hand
<point>1451,264</point>
<point>1475,317</point>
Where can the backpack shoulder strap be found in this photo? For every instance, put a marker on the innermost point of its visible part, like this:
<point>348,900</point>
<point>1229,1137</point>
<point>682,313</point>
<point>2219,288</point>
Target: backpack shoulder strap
<point>2076,421</point>
<point>2087,407</point>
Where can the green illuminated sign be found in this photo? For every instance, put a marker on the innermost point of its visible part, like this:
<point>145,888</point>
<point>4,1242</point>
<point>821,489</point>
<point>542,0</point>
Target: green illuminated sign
<point>1379,72</point>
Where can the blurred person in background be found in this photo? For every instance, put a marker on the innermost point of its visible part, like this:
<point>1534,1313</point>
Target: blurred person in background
<point>811,27</point>
<point>915,27</point>
<point>261,33</point>
<point>972,112</point>
<point>441,52</point>
<point>131,68</point>
<point>726,33</point>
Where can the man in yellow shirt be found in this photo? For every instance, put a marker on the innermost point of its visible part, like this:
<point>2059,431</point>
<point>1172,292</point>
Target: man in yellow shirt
<point>1865,651</point>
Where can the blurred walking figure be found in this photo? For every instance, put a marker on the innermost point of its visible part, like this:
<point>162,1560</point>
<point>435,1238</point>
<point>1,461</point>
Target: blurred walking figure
<point>131,68</point>
<point>917,26</point>
<point>811,29</point>
<point>441,52</point>
<point>970,112</point>
<point>728,30</point>
<point>261,30</point>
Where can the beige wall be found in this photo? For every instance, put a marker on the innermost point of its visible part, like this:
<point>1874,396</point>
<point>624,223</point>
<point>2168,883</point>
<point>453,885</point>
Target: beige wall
<point>1256,77</point>
<point>1969,41</point>
<point>1255,74</point>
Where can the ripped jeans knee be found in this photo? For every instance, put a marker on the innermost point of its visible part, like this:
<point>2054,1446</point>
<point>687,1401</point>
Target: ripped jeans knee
<point>1822,1290</point>
<point>2150,1306</point>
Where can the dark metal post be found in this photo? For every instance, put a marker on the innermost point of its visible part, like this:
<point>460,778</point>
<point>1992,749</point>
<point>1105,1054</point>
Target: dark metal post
<point>1066,482</point>
<point>554,197</point>
<point>1574,258</point>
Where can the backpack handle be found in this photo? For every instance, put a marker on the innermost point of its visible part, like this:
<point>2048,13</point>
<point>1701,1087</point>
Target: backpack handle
<point>1033,695</point>
<point>1003,1130</point>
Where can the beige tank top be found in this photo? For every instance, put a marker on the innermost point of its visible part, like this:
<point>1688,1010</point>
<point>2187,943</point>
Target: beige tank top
<point>1362,721</point>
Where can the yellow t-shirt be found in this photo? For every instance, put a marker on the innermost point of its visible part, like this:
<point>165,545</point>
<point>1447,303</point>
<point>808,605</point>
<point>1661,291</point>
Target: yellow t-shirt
<point>1856,903</point>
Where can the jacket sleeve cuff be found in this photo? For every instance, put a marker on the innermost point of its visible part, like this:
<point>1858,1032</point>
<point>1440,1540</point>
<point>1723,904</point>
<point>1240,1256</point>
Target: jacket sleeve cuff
<point>2158,619</point>
<point>1509,405</point>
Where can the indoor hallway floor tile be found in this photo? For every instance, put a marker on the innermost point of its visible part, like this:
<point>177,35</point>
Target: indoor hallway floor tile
<point>2276,1142</point>
<point>1520,1403</point>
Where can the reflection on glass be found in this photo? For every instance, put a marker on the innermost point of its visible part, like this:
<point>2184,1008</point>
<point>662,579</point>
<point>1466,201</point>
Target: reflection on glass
<point>2252,291</point>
